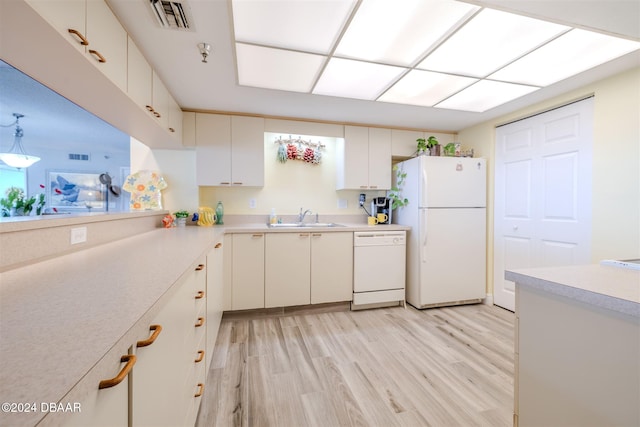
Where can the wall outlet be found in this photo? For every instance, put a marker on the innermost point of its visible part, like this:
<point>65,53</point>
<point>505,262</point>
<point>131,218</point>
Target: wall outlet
<point>78,235</point>
<point>252,203</point>
<point>362,199</point>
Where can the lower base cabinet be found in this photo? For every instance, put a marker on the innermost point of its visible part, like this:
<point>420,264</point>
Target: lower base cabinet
<point>168,380</point>
<point>308,268</point>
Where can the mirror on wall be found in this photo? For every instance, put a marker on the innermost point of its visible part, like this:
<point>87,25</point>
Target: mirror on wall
<point>76,149</point>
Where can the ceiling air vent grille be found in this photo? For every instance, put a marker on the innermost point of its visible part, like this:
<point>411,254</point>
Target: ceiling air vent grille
<point>172,14</point>
<point>84,157</point>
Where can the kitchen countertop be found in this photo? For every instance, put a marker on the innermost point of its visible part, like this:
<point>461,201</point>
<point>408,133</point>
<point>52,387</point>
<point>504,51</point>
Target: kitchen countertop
<point>61,316</point>
<point>608,287</point>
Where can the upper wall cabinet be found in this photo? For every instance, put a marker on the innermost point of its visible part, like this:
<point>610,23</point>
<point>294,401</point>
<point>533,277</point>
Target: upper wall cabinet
<point>229,150</point>
<point>364,159</point>
<point>94,30</point>
<point>404,144</point>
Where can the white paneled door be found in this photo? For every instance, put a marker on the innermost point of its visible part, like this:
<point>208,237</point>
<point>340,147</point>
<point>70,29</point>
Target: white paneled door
<point>542,211</point>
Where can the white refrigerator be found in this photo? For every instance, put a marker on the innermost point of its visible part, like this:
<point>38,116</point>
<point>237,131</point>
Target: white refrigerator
<point>446,246</point>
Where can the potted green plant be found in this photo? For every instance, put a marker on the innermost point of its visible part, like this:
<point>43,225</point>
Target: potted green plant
<point>18,204</point>
<point>395,194</point>
<point>433,146</point>
<point>421,147</point>
<point>181,218</point>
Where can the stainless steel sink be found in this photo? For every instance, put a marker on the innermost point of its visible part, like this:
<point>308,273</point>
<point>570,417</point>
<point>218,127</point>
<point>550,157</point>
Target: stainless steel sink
<point>304,225</point>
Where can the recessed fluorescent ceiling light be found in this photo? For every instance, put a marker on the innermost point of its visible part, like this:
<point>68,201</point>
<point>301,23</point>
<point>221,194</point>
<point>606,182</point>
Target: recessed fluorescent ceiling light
<point>425,88</point>
<point>399,32</point>
<point>369,45</point>
<point>488,42</point>
<point>485,95</point>
<point>277,69</point>
<point>355,79</point>
<point>311,26</point>
<point>574,52</point>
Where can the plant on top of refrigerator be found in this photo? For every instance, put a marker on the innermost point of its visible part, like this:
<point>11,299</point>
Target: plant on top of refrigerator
<point>395,194</point>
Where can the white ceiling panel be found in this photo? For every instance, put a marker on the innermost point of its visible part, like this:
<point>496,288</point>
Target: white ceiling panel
<point>485,95</point>
<point>425,88</point>
<point>399,32</point>
<point>277,69</point>
<point>355,79</point>
<point>311,25</point>
<point>569,54</point>
<point>489,41</point>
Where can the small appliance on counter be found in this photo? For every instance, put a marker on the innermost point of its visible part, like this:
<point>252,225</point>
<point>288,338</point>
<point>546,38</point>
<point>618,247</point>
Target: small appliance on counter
<point>381,205</point>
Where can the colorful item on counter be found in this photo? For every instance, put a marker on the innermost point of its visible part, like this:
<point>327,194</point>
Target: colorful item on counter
<point>206,217</point>
<point>219,213</point>
<point>167,221</point>
<point>145,187</point>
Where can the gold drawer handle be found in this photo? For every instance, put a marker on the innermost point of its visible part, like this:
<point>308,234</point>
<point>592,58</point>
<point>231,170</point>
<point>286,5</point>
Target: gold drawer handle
<point>200,267</point>
<point>158,115</point>
<point>172,130</point>
<point>200,390</point>
<point>97,54</point>
<point>200,356</point>
<point>131,360</point>
<point>200,295</point>
<point>218,245</point>
<point>200,322</point>
<point>83,40</point>
<point>156,331</point>
<point>149,108</point>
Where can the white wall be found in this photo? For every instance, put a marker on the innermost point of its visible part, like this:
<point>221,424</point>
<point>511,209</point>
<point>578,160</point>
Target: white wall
<point>616,164</point>
<point>178,170</point>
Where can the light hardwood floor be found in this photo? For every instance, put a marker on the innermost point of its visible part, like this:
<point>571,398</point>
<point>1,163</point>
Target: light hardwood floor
<point>383,367</point>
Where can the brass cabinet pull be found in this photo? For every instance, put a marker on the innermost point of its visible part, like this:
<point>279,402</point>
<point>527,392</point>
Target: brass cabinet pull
<point>225,183</point>
<point>374,186</point>
<point>156,331</point>
<point>172,130</point>
<point>155,113</point>
<point>149,108</point>
<point>200,267</point>
<point>200,390</point>
<point>304,234</point>
<point>200,356</point>
<point>97,55</point>
<point>131,360</point>
<point>200,322</point>
<point>200,295</point>
<point>237,183</point>
<point>218,245</point>
<point>83,40</point>
<point>316,234</point>
<point>256,235</point>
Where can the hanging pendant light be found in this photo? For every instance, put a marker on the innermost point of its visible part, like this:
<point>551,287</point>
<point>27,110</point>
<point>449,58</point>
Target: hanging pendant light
<point>16,156</point>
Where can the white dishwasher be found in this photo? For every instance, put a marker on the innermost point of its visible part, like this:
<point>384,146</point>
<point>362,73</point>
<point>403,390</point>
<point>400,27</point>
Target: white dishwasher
<point>379,268</point>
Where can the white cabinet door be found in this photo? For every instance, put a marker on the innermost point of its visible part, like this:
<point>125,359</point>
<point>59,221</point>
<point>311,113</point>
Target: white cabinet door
<point>287,270</point>
<point>107,42</point>
<point>229,150</point>
<point>213,149</point>
<point>331,267</point>
<point>364,159</point>
<point>65,15</point>
<point>247,271</point>
<point>93,29</point>
<point>379,158</point>
<point>215,296</point>
<point>104,407</point>
<point>139,75</point>
<point>189,129</point>
<point>247,151</point>
<point>160,101</point>
<point>353,159</point>
<point>175,118</point>
<point>403,142</point>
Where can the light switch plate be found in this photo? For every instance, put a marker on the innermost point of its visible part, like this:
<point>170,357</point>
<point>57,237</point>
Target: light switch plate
<point>252,203</point>
<point>342,203</point>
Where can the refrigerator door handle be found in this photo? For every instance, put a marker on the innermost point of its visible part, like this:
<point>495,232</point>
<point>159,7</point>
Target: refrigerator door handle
<point>423,232</point>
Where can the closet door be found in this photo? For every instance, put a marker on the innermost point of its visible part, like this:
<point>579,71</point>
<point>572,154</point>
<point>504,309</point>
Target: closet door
<point>542,212</point>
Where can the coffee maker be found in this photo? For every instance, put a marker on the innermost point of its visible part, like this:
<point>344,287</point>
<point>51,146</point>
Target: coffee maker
<point>381,205</point>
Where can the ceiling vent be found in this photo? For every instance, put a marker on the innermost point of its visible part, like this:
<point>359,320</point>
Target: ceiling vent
<point>83,157</point>
<point>170,14</point>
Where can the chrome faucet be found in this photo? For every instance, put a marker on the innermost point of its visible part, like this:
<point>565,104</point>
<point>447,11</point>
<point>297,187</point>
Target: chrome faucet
<point>303,214</point>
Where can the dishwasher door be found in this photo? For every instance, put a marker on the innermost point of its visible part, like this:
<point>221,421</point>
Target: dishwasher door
<point>379,261</point>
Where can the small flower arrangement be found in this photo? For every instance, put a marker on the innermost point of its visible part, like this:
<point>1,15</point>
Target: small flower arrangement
<point>181,214</point>
<point>17,204</point>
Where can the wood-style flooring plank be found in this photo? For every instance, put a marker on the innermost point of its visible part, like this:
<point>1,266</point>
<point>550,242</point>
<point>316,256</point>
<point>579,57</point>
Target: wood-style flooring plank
<point>450,366</point>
